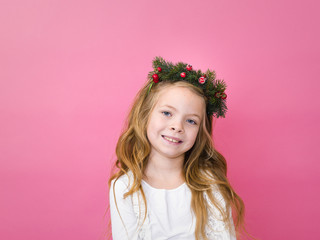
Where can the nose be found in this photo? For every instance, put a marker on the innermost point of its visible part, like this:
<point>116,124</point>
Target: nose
<point>177,126</point>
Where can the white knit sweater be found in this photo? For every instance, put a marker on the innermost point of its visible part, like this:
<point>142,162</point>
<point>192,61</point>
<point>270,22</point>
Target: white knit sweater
<point>215,230</point>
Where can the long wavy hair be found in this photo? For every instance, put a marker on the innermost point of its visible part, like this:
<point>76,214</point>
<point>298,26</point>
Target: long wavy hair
<point>203,166</point>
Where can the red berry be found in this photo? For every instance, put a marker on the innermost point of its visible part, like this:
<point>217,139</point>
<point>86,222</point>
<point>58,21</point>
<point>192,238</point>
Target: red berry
<point>183,74</point>
<point>159,69</point>
<point>202,80</point>
<point>155,78</point>
<point>189,67</point>
<point>217,95</point>
<point>223,95</point>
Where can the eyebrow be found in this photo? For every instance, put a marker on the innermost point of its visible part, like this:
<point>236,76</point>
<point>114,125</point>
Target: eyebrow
<point>192,114</point>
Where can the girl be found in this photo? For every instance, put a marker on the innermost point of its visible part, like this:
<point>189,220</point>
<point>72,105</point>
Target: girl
<point>171,182</point>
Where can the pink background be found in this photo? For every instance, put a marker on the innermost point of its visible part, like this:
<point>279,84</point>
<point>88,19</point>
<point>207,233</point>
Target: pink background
<point>70,69</point>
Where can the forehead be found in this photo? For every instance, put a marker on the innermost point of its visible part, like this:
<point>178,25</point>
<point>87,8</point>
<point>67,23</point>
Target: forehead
<point>181,98</point>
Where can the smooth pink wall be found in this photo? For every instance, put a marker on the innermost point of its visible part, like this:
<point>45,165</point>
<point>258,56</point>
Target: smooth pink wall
<point>70,69</point>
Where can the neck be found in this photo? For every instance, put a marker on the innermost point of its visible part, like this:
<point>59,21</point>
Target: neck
<point>166,169</point>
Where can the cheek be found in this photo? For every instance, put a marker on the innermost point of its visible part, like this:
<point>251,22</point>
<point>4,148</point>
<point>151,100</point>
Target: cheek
<point>156,123</point>
<point>153,128</point>
<point>150,128</point>
<point>193,134</point>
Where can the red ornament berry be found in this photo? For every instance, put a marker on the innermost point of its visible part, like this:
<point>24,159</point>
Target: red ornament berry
<point>183,74</point>
<point>202,80</point>
<point>217,95</point>
<point>189,67</point>
<point>159,69</point>
<point>155,78</point>
<point>223,95</point>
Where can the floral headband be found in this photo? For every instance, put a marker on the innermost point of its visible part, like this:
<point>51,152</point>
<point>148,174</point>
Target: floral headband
<point>212,88</point>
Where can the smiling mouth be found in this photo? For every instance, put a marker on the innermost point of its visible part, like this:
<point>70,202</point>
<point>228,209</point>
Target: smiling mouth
<point>171,140</point>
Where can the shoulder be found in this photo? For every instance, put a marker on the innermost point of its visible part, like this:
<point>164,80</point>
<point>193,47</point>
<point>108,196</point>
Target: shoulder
<point>215,190</point>
<point>122,184</point>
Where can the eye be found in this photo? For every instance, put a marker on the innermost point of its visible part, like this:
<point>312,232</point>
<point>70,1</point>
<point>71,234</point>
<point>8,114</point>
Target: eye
<point>191,121</point>
<point>168,114</point>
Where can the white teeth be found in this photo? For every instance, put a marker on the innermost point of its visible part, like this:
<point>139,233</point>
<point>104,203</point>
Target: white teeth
<point>170,139</point>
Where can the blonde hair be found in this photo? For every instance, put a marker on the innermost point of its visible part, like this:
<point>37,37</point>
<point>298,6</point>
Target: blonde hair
<point>203,166</point>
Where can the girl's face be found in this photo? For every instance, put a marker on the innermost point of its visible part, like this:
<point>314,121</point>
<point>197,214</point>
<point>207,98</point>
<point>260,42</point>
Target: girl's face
<point>174,122</point>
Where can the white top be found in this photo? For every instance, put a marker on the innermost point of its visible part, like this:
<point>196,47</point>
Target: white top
<point>169,213</point>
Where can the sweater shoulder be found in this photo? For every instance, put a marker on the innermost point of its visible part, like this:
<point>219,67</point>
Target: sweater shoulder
<point>123,183</point>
